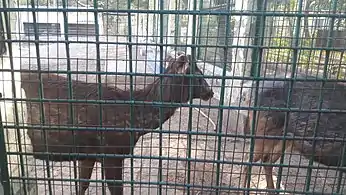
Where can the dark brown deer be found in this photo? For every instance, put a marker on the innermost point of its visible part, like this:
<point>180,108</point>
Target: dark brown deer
<point>305,95</point>
<point>117,115</point>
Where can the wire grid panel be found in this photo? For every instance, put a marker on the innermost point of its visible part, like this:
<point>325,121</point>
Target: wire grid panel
<point>134,125</point>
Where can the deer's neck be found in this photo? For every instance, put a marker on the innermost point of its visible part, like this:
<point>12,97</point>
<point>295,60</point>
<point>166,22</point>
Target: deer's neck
<point>171,91</point>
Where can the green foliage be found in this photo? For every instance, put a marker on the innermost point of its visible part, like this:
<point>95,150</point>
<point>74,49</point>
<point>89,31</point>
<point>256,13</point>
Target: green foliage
<point>328,5</point>
<point>313,60</point>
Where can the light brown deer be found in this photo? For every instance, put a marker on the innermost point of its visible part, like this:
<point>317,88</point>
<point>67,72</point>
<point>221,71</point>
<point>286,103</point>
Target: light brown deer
<point>305,95</point>
<point>116,115</point>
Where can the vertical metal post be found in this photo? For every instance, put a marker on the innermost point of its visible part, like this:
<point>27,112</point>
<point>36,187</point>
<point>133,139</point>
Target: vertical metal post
<point>4,176</point>
<point>256,71</point>
<point>5,187</point>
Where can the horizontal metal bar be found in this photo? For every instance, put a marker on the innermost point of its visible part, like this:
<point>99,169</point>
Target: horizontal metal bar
<point>186,12</point>
<point>166,104</point>
<point>205,187</point>
<point>242,78</point>
<point>178,132</point>
<point>176,45</point>
<point>180,159</point>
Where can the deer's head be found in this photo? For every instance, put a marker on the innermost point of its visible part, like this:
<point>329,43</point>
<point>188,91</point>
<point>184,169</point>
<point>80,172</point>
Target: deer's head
<point>182,65</point>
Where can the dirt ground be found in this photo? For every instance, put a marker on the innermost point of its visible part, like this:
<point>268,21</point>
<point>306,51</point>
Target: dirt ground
<point>226,150</point>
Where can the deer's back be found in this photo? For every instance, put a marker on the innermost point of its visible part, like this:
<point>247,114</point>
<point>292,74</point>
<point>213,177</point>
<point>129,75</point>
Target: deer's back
<point>85,114</point>
<point>311,95</point>
<point>305,96</point>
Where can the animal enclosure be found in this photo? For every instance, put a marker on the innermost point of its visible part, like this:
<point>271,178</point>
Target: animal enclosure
<point>172,97</point>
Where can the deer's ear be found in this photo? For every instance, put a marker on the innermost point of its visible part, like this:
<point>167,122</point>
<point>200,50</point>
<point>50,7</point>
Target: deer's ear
<point>183,64</point>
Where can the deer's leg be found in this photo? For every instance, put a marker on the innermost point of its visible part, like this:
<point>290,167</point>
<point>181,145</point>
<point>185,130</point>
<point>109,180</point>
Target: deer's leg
<point>256,157</point>
<point>114,171</point>
<point>85,171</point>
<point>271,156</point>
<point>274,156</point>
<point>268,170</point>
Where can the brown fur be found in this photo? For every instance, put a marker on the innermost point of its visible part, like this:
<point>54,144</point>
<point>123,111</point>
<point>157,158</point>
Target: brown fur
<point>116,115</point>
<point>305,95</point>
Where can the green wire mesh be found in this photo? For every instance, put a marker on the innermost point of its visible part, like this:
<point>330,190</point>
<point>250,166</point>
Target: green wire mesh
<point>201,148</point>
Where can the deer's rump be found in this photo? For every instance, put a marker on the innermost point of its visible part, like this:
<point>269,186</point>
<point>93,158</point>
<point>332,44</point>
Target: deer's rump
<point>59,145</point>
<point>52,139</point>
<point>60,135</point>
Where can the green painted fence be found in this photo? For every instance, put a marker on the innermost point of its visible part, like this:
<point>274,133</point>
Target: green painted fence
<point>201,148</point>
